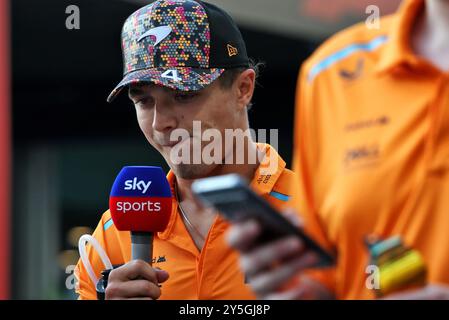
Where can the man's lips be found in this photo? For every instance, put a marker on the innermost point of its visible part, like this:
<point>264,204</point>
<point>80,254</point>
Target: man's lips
<point>171,144</point>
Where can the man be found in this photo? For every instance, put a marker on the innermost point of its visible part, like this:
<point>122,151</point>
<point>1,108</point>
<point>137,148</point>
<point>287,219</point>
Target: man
<point>372,152</point>
<point>186,61</point>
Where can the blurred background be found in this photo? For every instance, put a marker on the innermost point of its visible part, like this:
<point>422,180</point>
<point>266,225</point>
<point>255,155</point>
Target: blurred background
<point>62,145</point>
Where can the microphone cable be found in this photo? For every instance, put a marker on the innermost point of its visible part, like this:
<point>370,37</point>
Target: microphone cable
<point>87,238</point>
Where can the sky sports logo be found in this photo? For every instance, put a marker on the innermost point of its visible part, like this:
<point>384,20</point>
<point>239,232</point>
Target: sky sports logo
<point>140,185</point>
<point>140,204</point>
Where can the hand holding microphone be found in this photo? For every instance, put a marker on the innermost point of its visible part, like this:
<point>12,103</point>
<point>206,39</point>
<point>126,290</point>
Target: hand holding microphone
<point>140,202</point>
<point>136,280</point>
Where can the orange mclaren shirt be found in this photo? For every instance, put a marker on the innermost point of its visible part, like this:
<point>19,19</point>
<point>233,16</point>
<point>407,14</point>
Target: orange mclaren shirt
<point>372,148</point>
<point>214,272</point>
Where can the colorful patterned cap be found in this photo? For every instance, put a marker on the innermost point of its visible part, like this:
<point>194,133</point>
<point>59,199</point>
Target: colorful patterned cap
<point>180,44</point>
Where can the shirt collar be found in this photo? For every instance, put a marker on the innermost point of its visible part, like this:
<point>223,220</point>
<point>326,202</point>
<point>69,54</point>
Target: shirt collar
<point>166,233</point>
<point>397,50</point>
<point>262,182</point>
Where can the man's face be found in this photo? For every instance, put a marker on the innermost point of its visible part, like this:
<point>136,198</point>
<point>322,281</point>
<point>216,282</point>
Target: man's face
<point>161,110</point>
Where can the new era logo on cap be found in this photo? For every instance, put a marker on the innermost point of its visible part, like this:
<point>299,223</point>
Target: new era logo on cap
<point>232,51</point>
<point>194,40</point>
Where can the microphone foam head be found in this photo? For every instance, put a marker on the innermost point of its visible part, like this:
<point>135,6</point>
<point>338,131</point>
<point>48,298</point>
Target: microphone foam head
<point>141,199</point>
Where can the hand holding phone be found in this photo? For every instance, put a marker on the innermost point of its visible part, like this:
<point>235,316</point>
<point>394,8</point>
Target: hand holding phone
<point>232,197</point>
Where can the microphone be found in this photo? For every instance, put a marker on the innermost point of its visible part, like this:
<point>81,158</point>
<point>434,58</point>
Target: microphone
<point>141,202</point>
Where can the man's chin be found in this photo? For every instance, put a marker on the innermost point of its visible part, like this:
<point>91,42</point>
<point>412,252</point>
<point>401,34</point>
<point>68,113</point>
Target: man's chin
<point>192,171</point>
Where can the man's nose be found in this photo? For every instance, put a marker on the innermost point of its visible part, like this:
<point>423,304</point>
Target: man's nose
<point>164,119</point>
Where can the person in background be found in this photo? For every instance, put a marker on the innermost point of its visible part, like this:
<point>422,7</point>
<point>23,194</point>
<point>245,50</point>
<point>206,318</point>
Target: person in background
<point>372,153</point>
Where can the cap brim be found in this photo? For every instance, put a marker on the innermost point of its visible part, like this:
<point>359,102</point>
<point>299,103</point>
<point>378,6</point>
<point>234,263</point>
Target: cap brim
<point>180,78</point>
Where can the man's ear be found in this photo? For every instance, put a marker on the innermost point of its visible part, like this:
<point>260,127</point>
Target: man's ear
<point>245,84</point>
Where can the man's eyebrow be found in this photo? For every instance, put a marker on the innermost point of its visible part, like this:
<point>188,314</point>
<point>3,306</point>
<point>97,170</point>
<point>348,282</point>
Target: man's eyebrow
<point>137,90</point>
<point>178,91</point>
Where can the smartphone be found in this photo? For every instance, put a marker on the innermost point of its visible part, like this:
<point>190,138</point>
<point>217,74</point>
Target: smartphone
<point>233,198</point>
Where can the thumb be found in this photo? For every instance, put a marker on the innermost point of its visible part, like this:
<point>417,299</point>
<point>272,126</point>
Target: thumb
<point>161,275</point>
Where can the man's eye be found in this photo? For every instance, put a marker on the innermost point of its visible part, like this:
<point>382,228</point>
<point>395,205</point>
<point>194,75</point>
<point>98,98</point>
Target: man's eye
<point>144,102</point>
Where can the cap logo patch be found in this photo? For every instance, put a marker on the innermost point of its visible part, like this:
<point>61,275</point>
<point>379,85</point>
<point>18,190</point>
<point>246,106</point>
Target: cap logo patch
<point>171,74</point>
<point>232,51</point>
<point>160,33</point>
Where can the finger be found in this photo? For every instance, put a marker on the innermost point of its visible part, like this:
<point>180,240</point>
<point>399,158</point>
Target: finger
<point>293,216</point>
<point>415,295</point>
<point>303,289</point>
<point>297,293</point>
<point>132,289</point>
<point>161,275</point>
<point>430,292</point>
<point>269,281</point>
<point>263,257</point>
<point>242,235</point>
<point>136,269</point>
